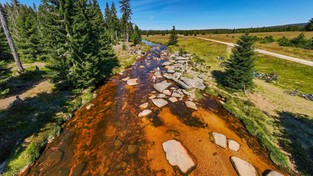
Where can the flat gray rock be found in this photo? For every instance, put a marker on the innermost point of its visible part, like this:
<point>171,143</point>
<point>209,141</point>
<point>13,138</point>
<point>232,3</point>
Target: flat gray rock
<point>152,97</point>
<point>168,76</point>
<point>196,83</point>
<point>161,96</point>
<point>242,167</point>
<point>173,99</point>
<point>177,155</point>
<point>159,102</point>
<point>144,106</point>
<point>171,69</point>
<point>167,92</point>
<point>233,145</point>
<point>219,139</point>
<point>167,63</point>
<point>191,105</point>
<point>158,74</point>
<point>162,86</point>
<point>144,113</point>
<point>177,95</point>
<point>274,173</point>
<point>132,82</point>
<point>182,58</point>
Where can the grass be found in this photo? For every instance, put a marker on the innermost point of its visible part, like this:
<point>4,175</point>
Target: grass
<point>273,47</point>
<point>26,129</point>
<point>291,76</point>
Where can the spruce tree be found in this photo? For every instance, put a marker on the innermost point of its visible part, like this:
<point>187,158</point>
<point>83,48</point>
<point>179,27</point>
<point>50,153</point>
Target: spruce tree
<point>239,69</point>
<point>27,40</point>
<point>126,16</point>
<point>136,36</point>
<point>309,26</point>
<point>173,37</point>
<point>115,21</point>
<point>4,46</point>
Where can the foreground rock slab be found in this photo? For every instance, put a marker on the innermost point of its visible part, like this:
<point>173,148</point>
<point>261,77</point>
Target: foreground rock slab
<point>162,86</point>
<point>159,102</point>
<point>145,113</point>
<point>274,173</point>
<point>233,145</point>
<point>132,82</point>
<point>191,105</point>
<point>219,139</point>
<point>177,155</point>
<point>242,167</point>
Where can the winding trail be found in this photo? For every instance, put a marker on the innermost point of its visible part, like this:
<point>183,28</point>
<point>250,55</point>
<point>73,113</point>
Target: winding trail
<point>281,56</point>
<point>109,138</point>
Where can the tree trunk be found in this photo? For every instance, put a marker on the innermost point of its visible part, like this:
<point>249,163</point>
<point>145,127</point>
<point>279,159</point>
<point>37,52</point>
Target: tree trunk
<point>10,41</point>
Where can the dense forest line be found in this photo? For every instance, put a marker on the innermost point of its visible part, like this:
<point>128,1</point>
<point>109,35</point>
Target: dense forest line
<point>283,28</point>
<point>74,37</point>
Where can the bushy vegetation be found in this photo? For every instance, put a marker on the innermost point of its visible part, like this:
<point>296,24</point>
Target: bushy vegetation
<point>300,42</point>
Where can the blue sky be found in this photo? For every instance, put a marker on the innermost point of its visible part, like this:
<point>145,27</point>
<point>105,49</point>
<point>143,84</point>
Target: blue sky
<point>207,14</point>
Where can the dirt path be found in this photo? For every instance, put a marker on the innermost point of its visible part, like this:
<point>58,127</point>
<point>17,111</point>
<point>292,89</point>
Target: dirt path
<point>42,87</point>
<point>293,59</point>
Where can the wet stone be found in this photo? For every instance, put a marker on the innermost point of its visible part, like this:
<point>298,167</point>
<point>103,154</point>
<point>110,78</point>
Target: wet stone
<point>161,96</point>
<point>132,82</point>
<point>177,95</point>
<point>162,86</point>
<point>233,145</point>
<point>274,173</point>
<point>219,139</point>
<point>145,113</point>
<point>243,168</point>
<point>144,105</point>
<point>152,97</point>
<point>191,105</point>
<point>89,106</point>
<point>177,155</point>
<point>167,92</point>
<point>159,102</point>
<point>173,99</point>
<point>125,79</point>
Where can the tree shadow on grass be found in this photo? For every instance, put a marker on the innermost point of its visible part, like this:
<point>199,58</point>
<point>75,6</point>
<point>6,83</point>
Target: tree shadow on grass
<point>297,139</point>
<point>24,82</point>
<point>36,116</point>
<point>218,76</point>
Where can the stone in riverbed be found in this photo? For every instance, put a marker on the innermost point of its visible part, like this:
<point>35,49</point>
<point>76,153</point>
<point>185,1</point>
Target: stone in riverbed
<point>162,86</point>
<point>144,113</point>
<point>177,95</point>
<point>191,105</point>
<point>125,79</point>
<point>152,97</point>
<point>219,139</point>
<point>159,102</point>
<point>274,173</point>
<point>90,106</point>
<point>233,145</point>
<point>196,82</point>
<point>243,168</point>
<point>167,92</point>
<point>161,96</point>
<point>167,63</point>
<point>171,69</point>
<point>132,82</point>
<point>173,99</point>
<point>144,106</point>
<point>177,155</point>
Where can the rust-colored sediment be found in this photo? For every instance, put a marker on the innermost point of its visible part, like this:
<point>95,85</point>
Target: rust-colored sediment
<point>110,139</point>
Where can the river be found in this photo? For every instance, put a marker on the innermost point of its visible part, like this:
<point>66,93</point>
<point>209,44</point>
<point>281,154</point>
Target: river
<point>110,138</point>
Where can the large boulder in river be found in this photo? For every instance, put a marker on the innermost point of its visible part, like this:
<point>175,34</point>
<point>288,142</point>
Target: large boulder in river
<point>243,168</point>
<point>162,86</point>
<point>177,155</point>
<point>196,82</point>
<point>159,102</point>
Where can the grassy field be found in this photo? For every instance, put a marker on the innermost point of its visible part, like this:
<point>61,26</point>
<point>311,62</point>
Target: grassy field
<point>273,47</point>
<point>270,132</point>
